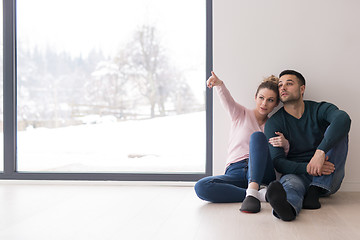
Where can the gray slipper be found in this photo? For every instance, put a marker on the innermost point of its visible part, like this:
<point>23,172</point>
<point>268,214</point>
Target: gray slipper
<point>250,205</point>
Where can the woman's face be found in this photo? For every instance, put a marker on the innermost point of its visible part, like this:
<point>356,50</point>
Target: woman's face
<point>266,101</point>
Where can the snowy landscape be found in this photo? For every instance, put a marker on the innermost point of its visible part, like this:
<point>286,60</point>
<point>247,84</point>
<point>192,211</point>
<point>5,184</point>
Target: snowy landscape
<point>172,144</point>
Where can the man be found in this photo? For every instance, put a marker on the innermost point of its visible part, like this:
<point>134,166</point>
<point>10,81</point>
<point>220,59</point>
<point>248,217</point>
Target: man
<point>318,137</point>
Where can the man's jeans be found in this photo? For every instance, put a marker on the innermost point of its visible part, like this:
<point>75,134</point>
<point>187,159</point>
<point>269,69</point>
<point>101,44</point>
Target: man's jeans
<point>297,185</point>
<point>231,187</point>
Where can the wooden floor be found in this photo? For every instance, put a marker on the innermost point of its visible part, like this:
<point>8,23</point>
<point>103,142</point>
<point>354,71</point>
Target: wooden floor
<point>142,211</point>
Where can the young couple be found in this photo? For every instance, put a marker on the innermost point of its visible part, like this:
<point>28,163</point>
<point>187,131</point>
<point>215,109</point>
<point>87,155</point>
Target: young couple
<point>305,141</point>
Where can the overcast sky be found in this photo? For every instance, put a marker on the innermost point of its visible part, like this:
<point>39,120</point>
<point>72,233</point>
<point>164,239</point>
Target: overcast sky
<point>78,26</point>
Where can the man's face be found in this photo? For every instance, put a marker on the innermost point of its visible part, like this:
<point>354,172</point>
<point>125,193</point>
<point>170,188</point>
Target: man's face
<point>290,89</point>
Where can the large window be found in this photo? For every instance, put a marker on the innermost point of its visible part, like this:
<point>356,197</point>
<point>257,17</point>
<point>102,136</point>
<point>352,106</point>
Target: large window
<point>113,87</point>
<point>1,91</point>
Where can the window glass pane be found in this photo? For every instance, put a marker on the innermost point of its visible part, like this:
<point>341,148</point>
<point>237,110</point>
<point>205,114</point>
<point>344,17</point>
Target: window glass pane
<point>1,92</point>
<point>111,86</point>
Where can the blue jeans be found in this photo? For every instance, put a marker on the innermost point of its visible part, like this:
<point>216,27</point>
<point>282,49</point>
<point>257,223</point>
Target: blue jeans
<point>297,185</point>
<point>231,187</point>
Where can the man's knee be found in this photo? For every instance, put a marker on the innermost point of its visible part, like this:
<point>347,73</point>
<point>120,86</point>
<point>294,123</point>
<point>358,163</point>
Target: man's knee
<point>338,153</point>
<point>293,182</point>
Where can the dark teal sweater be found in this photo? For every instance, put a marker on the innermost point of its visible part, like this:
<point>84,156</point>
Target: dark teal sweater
<point>306,134</point>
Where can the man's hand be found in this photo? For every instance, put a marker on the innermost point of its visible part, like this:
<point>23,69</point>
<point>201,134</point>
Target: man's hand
<point>316,163</point>
<point>328,167</point>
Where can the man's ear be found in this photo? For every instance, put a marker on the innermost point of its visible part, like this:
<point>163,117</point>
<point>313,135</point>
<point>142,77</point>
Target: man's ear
<point>302,90</point>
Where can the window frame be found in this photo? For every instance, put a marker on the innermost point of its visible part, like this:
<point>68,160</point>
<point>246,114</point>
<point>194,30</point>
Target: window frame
<point>10,115</point>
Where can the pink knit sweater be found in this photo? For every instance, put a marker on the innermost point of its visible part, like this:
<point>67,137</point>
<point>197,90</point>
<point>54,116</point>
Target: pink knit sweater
<point>243,124</point>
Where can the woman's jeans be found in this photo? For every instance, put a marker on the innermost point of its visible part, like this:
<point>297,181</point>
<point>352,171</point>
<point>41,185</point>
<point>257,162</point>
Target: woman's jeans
<point>231,187</point>
<point>297,185</point>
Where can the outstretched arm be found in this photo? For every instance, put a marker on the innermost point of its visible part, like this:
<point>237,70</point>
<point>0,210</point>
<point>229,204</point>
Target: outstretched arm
<point>235,110</point>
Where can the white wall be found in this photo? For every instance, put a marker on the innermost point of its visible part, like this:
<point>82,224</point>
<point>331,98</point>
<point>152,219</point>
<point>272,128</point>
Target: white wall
<point>319,38</point>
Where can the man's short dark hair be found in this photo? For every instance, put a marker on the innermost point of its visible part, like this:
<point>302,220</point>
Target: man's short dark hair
<point>293,72</point>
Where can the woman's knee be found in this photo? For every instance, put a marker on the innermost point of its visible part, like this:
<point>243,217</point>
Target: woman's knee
<point>258,141</point>
<point>258,136</point>
<point>201,187</point>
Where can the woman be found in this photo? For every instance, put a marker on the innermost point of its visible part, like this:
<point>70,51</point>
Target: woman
<point>248,163</point>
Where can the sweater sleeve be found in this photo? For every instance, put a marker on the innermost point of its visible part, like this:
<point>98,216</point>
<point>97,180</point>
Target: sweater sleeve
<point>278,155</point>
<point>234,109</point>
<point>339,125</point>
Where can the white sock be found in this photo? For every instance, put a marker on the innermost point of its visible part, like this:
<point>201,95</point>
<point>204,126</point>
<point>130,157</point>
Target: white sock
<point>262,193</point>
<point>252,192</point>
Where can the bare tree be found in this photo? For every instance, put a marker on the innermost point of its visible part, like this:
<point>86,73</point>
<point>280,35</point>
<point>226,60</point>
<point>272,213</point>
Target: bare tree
<point>141,74</point>
<point>149,66</point>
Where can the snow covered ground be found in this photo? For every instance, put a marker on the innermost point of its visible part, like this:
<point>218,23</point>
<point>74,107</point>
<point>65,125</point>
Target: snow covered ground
<point>172,144</point>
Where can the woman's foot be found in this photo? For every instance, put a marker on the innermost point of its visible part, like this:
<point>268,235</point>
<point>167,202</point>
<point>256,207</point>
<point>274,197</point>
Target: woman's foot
<point>250,205</point>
